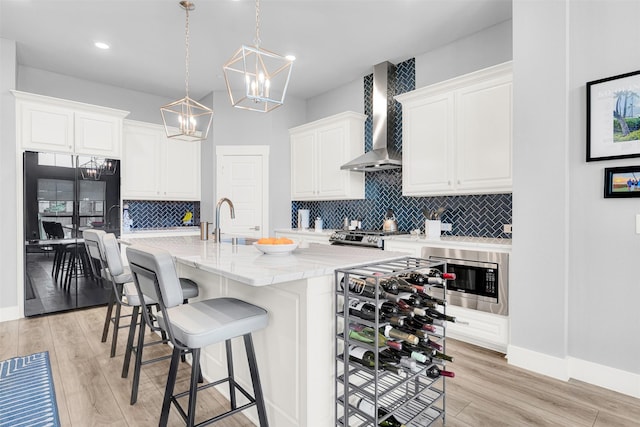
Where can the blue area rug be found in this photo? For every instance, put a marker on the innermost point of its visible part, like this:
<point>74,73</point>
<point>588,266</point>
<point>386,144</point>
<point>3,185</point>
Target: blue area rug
<point>27,396</point>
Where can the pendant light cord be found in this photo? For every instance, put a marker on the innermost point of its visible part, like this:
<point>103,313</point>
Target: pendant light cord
<point>186,45</point>
<point>257,40</point>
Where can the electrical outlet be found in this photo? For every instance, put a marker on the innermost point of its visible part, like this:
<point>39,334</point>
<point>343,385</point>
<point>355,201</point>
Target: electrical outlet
<point>445,226</point>
<point>508,228</point>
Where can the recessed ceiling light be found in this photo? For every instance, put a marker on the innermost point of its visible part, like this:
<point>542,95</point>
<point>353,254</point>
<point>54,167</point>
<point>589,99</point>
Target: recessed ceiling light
<point>291,57</point>
<point>101,45</point>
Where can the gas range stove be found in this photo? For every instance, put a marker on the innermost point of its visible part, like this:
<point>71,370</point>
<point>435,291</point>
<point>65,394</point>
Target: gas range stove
<point>367,238</point>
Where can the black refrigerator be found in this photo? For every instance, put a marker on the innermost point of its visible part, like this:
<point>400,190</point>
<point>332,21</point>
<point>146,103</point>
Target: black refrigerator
<point>63,196</point>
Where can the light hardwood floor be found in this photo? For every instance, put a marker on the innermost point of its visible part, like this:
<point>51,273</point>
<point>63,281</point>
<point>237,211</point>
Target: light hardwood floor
<point>485,392</point>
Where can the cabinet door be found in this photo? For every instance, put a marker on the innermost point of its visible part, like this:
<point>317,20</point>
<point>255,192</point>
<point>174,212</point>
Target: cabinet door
<point>45,127</point>
<point>97,134</point>
<point>143,150</point>
<point>483,126</point>
<point>182,170</point>
<point>303,166</point>
<point>428,146</point>
<point>331,146</point>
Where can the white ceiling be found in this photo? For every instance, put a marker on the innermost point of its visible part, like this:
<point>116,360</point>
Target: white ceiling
<point>334,41</point>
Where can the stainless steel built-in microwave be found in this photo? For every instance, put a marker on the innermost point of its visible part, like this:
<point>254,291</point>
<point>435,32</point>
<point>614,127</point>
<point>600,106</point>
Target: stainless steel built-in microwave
<point>482,278</point>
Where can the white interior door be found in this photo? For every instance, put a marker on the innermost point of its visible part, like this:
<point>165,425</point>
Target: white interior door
<point>243,177</point>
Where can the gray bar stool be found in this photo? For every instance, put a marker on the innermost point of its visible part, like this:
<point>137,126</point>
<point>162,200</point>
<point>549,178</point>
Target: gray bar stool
<point>190,327</point>
<point>116,269</point>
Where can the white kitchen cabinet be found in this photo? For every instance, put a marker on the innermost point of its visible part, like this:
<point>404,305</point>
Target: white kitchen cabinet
<point>155,167</point>
<point>318,149</point>
<point>457,135</point>
<point>57,125</point>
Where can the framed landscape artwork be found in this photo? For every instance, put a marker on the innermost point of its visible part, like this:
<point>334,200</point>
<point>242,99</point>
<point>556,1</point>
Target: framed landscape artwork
<point>613,117</point>
<point>622,182</point>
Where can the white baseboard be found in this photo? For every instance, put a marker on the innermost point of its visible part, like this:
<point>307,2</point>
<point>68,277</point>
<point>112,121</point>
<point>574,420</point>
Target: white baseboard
<point>9,313</point>
<point>570,367</point>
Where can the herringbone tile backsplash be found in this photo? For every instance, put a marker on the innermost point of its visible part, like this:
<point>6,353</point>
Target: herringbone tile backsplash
<point>161,214</point>
<point>475,215</point>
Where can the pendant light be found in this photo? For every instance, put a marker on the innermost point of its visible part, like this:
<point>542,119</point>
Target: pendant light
<point>91,170</point>
<point>186,119</point>
<point>257,79</point>
<point>109,166</point>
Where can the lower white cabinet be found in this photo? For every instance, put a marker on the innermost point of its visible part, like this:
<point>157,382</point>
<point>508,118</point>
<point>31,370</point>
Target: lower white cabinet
<point>457,135</point>
<point>155,167</point>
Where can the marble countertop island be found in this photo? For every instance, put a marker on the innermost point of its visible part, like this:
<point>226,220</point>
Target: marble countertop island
<point>248,265</point>
<point>296,355</point>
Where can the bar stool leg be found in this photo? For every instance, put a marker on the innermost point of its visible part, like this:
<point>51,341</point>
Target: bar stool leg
<point>107,320</point>
<point>137,362</point>
<point>116,327</point>
<point>168,392</point>
<point>230,373</point>
<point>255,377</point>
<point>193,387</point>
<point>132,332</point>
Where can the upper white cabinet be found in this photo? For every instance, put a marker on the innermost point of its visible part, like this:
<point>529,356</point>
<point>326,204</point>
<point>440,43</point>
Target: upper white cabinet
<point>57,125</point>
<point>318,149</point>
<point>457,135</point>
<point>155,167</point>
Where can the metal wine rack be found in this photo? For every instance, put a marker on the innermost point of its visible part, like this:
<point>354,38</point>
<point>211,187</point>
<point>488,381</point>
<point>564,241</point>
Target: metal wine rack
<point>411,397</point>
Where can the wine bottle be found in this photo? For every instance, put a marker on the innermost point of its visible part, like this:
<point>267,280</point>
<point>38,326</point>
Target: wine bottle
<point>389,308</point>
<point>417,324</point>
<point>434,345</point>
<point>367,334</point>
<point>435,314</point>
<point>401,284</point>
<point>367,288</point>
<point>391,332</point>
<point>369,408</point>
<point>435,372</point>
<point>432,352</point>
<point>409,351</point>
<point>420,333</point>
<point>422,291</point>
<point>367,358</point>
<point>364,310</point>
<point>406,307</point>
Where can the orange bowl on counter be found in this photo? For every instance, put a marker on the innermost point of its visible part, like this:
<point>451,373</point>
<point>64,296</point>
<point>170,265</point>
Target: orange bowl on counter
<point>275,248</point>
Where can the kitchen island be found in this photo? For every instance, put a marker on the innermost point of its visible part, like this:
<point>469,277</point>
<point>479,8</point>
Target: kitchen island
<point>295,352</point>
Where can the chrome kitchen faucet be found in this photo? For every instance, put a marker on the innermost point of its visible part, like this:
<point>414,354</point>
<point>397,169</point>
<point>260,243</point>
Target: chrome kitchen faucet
<point>233,215</point>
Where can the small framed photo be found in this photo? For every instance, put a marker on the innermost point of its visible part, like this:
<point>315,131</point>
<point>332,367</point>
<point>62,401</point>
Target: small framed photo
<point>622,182</point>
<point>613,117</point>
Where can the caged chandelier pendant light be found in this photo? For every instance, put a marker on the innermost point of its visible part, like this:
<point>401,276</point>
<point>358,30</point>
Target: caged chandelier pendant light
<point>186,119</point>
<point>257,79</point>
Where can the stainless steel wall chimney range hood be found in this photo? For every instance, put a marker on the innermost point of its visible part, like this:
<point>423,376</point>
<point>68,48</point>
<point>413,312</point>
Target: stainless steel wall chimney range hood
<point>383,155</point>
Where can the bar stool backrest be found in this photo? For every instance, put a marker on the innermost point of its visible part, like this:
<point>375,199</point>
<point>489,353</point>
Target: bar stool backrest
<point>93,244</point>
<point>155,273</point>
<point>112,254</point>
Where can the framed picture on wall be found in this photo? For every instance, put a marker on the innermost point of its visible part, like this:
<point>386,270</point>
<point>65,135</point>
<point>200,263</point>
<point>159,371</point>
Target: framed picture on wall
<point>613,117</point>
<point>622,182</point>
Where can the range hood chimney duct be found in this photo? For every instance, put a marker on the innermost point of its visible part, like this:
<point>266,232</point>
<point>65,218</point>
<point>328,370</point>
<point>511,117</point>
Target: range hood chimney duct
<point>383,155</point>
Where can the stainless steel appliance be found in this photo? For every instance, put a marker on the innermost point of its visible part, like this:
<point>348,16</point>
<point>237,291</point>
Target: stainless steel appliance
<point>482,278</point>
<point>366,238</point>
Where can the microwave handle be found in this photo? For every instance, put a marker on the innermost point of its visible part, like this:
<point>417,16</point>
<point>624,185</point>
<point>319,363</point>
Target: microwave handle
<point>465,262</point>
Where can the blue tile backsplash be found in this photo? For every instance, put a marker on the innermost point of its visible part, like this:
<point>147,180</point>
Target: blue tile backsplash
<point>160,214</point>
<point>473,215</point>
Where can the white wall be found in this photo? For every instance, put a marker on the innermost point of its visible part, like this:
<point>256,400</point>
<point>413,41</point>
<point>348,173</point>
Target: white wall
<point>142,106</point>
<point>574,289</point>
<point>604,249</point>
<point>8,189</point>
<point>233,126</point>
<point>480,50</point>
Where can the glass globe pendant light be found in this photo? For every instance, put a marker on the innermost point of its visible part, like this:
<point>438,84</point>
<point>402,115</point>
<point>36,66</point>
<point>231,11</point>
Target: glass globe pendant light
<point>186,119</point>
<point>257,79</point>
